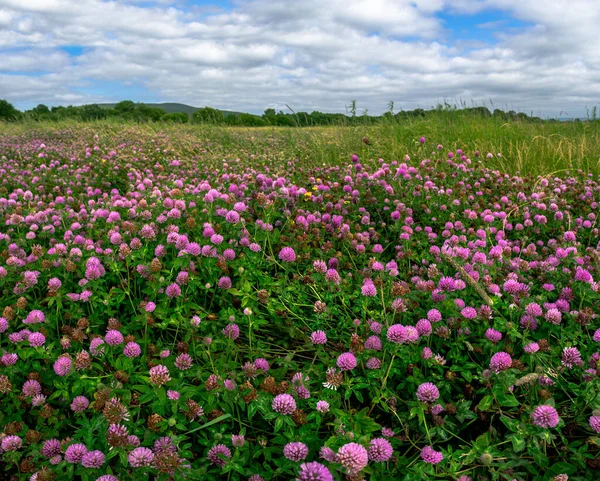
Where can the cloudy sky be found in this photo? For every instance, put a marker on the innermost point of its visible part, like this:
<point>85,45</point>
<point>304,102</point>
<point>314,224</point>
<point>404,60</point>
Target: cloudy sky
<point>540,56</point>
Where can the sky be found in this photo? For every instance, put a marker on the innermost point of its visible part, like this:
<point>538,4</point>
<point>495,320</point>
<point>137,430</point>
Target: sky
<point>534,56</point>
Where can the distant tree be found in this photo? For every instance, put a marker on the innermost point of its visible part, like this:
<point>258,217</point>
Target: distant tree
<point>70,112</point>
<point>270,117</point>
<point>92,112</point>
<point>232,120</point>
<point>41,109</point>
<point>500,114</point>
<point>364,119</point>
<point>388,115</point>
<point>208,115</point>
<point>155,113</point>
<point>521,116</point>
<point>176,118</point>
<point>251,120</point>
<point>303,119</point>
<point>73,111</point>
<point>40,112</point>
<point>284,120</point>
<point>145,113</point>
<point>138,112</point>
<point>319,118</point>
<point>111,113</point>
<point>480,111</point>
<point>125,106</point>
<point>58,112</point>
<point>7,111</point>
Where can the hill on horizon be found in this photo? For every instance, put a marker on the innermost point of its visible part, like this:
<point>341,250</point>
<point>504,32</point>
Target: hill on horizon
<point>172,107</point>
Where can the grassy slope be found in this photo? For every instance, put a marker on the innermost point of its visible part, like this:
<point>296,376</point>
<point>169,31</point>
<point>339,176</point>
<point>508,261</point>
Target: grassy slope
<point>171,107</point>
<point>547,148</point>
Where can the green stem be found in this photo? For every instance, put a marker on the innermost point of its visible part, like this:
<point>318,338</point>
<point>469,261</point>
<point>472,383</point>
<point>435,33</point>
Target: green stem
<point>388,372</point>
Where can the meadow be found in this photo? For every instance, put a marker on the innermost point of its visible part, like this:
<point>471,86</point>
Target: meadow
<point>411,301</point>
<point>527,147</point>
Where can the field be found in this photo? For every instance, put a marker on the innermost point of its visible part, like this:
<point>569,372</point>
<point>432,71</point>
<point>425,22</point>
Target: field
<point>528,147</point>
<point>403,301</point>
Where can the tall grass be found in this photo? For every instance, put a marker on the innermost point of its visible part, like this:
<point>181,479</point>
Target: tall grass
<point>528,148</point>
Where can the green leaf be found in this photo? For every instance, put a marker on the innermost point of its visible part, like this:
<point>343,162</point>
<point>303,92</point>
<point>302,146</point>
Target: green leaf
<point>278,424</point>
<point>210,423</point>
<point>161,395</point>
<point>508,400</point>
<point>562,467</point>
<point>421,416</point>
<point>511,424</point>
<point>358,395</point>
<point>147,398</point>
<point>466,415</point>
<point>518,443</point>
<point>364,423</point>
<point>486,403</point>
<point>540,459</point>
<point>252,408</point>
<point>483,441</point>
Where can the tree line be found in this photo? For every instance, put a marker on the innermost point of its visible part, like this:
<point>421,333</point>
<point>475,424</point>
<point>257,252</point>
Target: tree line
<point>128,110</point>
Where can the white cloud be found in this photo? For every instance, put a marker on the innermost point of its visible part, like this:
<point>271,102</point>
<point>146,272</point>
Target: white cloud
<point>29,61</point>
<point>309,54</point>
<point>388,16</point>
<point>5,17</point>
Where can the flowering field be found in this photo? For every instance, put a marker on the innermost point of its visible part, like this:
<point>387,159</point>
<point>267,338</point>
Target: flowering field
<point>172,309</point>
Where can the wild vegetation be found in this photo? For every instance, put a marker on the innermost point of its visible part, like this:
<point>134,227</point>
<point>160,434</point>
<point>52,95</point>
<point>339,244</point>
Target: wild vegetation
<point>377,302</point>
<point>130,111</point>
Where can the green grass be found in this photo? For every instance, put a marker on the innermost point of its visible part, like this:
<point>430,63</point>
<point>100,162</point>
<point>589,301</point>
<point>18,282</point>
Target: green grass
<point>528,148</point>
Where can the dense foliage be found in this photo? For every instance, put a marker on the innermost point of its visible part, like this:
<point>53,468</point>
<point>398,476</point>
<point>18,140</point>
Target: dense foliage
<point>246,315</point>
<point>8,111</point>
<point>130,111</point>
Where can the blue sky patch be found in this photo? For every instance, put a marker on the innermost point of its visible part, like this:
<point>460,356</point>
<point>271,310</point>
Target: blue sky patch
<point>73,50</point>
<point>209,7</point>
<point>224,4</point>
<point>28,73</point>
<point>481,27</point>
